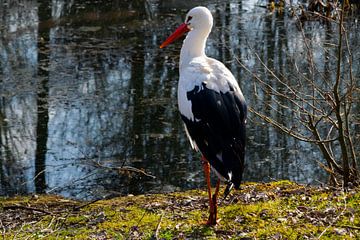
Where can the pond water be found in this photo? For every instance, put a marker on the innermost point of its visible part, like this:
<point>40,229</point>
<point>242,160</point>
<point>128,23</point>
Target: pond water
<point>85,89</point>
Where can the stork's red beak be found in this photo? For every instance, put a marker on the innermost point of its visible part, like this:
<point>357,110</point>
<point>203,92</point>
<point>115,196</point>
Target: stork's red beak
<point>181,30</point>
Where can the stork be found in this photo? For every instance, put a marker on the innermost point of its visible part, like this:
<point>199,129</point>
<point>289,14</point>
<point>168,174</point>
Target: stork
<point>211,105</point>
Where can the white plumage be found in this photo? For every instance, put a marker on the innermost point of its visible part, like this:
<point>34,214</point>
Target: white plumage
<point>203,70</point>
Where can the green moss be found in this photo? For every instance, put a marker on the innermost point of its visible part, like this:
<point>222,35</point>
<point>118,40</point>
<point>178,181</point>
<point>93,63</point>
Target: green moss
<point>277,210</point>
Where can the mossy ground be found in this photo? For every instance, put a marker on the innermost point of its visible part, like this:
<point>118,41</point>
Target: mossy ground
<point>277,210</point>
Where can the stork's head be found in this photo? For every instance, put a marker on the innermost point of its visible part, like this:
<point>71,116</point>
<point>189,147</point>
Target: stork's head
<point>197,19</point>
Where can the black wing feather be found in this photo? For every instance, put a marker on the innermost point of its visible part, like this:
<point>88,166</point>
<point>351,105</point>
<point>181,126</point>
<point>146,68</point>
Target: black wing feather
<point>219,127</point>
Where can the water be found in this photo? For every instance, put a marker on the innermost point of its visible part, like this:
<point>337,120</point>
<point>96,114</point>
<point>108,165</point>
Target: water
<point>85,89</point>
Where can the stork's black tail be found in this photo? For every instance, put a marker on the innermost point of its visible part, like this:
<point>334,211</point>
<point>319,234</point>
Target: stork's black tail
<point>235,162</point>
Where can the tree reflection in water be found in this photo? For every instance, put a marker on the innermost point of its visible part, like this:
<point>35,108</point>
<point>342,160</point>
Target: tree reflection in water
<point>108,95</point>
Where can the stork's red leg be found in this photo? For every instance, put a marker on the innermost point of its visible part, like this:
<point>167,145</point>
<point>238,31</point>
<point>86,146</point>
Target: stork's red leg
<point>206,166</point>
<point>214,201</point>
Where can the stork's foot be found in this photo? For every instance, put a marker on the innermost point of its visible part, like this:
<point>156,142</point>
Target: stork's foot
<point>212,220</point>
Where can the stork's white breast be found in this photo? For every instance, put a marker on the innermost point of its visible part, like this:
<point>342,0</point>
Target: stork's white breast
<point>202,70</point>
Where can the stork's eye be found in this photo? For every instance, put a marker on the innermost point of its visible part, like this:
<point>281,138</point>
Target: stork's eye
<point>188,19</point>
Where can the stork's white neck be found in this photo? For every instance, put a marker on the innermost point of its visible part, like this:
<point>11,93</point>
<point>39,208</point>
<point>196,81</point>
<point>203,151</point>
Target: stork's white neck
<point>193,46</point>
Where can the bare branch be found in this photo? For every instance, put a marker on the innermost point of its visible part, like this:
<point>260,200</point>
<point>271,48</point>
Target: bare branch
<point>16,207</point>
<point>289,131</point>
<point>124,169</point>
<point>338,103</point>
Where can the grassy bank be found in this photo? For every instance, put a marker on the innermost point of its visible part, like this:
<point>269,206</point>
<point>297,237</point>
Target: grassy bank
<point>277,210</point>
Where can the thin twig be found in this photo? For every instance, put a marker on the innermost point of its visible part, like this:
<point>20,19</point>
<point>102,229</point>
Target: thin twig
<point>136,226</point>
<point>124,169</point>
<point>158,227</point>
<point>77,208</point>
<point>348,226</point>
<point>3,229</point>
<point>15,207</point>
<point>337,217</point>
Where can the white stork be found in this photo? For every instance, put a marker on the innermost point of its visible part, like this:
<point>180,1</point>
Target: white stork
<point>212,106</point>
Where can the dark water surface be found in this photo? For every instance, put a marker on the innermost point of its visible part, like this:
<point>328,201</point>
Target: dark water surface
<point>86,89</point>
